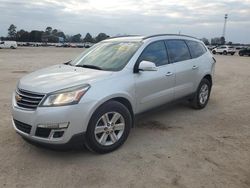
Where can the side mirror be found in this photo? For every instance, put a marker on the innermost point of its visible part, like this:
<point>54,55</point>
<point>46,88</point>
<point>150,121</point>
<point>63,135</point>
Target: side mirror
<point>147,66</point>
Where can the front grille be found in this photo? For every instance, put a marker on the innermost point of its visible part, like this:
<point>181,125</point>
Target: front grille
<point>43,132</point>
<point>27,99</point>
<point>22,126</point>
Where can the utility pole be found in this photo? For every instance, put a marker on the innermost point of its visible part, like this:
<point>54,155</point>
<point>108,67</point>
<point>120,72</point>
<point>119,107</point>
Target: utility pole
<point>224,28</point>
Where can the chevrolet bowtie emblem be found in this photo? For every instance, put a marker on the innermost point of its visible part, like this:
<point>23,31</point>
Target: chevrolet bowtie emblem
<point>18,97</point>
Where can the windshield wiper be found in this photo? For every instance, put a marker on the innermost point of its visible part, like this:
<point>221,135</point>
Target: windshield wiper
<point>90,66</point>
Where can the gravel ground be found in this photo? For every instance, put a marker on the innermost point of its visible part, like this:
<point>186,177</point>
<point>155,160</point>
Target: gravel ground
<point>172,146</point>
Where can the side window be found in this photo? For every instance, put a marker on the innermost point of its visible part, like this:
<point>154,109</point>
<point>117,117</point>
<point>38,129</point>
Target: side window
<point>156,53</point>
<point>1,42</point>
<point>196,48</point>
<point>177,50</point>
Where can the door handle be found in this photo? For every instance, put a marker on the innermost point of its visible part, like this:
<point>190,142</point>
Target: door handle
<point>169,74</point>
<point>195,67</point>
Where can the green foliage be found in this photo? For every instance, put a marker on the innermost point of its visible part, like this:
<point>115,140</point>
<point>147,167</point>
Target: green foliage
<point>205,40</point>
<point>49,35</point>
<point>100,37</point>
<point>76,38</point>
<point>12,31</point>
<point>88,38</point>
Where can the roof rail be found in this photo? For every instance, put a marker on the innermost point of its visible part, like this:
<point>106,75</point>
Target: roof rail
<point>120,36</point>
<point>158,35</point>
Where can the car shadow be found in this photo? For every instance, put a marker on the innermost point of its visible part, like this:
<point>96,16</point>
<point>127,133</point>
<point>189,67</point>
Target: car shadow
<point>144,120</point>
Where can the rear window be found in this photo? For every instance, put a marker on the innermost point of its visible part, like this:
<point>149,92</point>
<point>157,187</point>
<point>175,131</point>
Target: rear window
<point>196,48</point>
<point>177,50</point>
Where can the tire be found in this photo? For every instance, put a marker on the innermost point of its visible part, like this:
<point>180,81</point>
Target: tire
<point>225,53</point>
<point>196,101</point>
<point>241,54</point>
<point>214,52</point>
<point>109,136</point>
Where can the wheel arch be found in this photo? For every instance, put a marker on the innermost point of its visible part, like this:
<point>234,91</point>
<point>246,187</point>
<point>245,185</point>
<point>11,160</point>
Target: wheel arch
<point>119,98</point>
<point>209,78</point>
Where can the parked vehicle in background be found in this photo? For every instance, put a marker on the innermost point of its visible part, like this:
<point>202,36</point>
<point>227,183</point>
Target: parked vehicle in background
<point>224,50</point>
<point>245,51</point>
<point>8,44</point>
<point>211,47</point>
<point>88,44</point>
<point>94,98</point>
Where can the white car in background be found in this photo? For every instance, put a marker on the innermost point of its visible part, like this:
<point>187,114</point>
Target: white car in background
<point>8,44</point>
<point>224,50</point>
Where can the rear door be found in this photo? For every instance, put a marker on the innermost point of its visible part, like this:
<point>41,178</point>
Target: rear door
<point>154,88</point>
<point>186,70</point>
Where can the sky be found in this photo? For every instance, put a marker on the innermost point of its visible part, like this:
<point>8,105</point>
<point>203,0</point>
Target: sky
<point>197,18</point>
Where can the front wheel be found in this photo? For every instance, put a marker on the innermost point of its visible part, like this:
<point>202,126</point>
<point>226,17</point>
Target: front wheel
<point>202,94</point>
<point>225,53</point>
<point>108,128</point>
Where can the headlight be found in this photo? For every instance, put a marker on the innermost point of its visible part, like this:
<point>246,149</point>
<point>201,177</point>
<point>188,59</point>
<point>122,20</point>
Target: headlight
<point>67,96</point>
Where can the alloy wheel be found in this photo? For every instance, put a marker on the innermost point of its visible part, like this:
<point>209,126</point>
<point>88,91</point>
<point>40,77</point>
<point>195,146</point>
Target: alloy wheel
<point>109,128</point>
<point>204,92</point>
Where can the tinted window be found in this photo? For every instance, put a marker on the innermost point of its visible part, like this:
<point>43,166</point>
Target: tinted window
<point>156,53</point>
<point>196,49</point>
<point>177,50</point>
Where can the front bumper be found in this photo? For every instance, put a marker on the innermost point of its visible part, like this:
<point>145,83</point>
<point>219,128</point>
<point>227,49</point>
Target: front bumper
<point>76,115</point>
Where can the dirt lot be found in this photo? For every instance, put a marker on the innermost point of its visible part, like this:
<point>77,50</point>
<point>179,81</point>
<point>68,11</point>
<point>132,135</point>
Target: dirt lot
<point>174,146</point>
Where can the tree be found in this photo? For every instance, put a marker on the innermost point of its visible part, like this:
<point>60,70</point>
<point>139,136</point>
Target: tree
<point>48,30</point>
<point>88,38</point>
<point>54,31</point>
<point>60,34</point>
<point>22,36</point>
<point>76,38</point>
<point>100,37</point>
<point>222,40</point>
<point>35,36</point>
<point>215,41</point>
<point>12,31</point>
<point>205,40</point>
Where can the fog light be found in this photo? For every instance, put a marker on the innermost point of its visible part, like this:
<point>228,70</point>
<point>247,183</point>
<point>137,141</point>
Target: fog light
<point>58,134</point>
<point>54,125</point>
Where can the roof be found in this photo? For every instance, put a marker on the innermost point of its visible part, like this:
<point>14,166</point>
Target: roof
<point>140,38</point>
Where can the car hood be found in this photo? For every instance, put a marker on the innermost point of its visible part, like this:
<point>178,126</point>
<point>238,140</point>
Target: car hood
<point>58,77</point>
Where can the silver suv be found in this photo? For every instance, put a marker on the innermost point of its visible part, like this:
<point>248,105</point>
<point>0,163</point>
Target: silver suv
<point>94,98</point>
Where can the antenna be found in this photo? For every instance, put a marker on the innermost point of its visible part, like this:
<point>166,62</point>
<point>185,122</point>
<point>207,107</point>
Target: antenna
<point>224,28</point>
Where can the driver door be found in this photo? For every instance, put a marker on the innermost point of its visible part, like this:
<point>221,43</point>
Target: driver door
<point>154,88</point>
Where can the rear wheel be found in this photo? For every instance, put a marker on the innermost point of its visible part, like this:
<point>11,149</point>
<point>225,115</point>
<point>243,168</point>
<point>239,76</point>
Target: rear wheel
<point>108,128</point>
<point>202,94</point>
<point>225,53</point>
<point>214,52</point>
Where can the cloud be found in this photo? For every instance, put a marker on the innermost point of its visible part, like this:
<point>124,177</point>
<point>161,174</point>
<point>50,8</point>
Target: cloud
<point>198,17</point>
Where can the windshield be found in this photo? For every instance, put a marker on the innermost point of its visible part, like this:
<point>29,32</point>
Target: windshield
<point>110,56</point>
